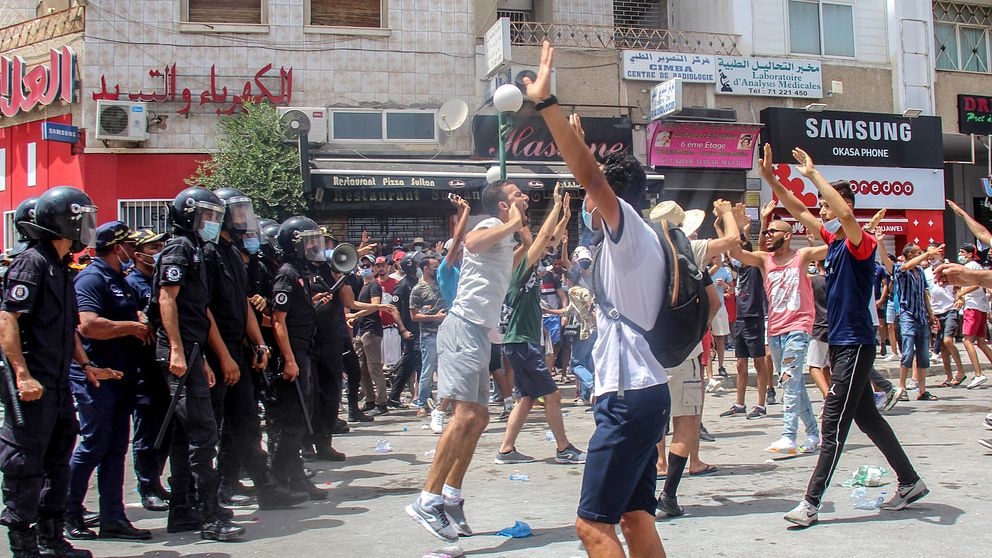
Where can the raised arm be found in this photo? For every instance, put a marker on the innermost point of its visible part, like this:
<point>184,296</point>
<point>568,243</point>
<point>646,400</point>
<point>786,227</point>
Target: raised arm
<point>924,256</point>
<point>481,240</point>
<point>834,200</point>
<point>976,228</point>
<point>792,204</point>
<point>599,194</point>
<point>460,226</point>
<point>547,230</point>
<point>729,234</point>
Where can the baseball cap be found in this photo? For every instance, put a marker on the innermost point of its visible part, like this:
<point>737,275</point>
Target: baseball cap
<point>144,236</point>
<point>381,260</point>
<point>398,255</point>
<point>111,234</point>
<point>582,253</point>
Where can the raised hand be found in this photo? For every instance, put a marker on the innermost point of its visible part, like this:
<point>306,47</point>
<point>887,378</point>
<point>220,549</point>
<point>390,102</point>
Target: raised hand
<point>875,220</point>
<point>765,162</point>
<point>540,89</point>
<point>955,207</point>
<point>805,162</point>
<point>721,207</point>
<point>576,123</point>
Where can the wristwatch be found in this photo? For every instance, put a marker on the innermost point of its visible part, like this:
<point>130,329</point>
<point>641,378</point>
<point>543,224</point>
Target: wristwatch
<point>552,100</point>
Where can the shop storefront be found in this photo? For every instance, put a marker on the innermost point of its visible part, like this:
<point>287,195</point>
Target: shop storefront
<point>892,162</point>
<point>968,165</point>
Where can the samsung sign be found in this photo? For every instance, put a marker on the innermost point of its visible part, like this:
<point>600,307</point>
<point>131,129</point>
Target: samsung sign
<point>855,138</point>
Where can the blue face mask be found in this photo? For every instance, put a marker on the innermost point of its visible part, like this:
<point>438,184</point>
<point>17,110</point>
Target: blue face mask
<point>586,216</point>
<point>420,273</point>
<point>210,231</point>
<point>832,225</point>
<point>252,245</point>
<point>365,273</point>
<point>328,254</point>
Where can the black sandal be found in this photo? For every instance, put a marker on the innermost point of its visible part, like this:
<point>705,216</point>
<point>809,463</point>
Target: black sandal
<point>958,381</point>
<point>927,396</point>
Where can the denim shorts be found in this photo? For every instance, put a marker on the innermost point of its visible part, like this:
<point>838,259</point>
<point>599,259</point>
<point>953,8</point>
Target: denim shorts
<point>915,337</point>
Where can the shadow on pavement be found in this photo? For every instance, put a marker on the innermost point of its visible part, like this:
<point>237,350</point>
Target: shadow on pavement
<point>540,538</point>
<point>934,514</point>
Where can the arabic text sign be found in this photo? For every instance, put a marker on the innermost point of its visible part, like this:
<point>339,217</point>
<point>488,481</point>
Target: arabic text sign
<point>769,77</point>
<point>23,90</point>
<point>209,95</point>
<point>647,65</point>
<point>497,45</point>
<point>874,187</point>
<point>708,146</point>
<point>666,98</point>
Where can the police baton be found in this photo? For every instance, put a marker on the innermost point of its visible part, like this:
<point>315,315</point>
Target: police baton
<point>304,406</point>
<point>175,397</point>
<point>15,403</point>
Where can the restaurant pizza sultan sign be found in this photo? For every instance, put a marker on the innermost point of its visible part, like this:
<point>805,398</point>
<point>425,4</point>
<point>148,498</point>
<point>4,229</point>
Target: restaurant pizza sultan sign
<point>24,88</point>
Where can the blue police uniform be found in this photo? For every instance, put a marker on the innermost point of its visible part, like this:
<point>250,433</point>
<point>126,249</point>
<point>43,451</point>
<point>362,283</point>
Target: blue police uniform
<point>105,411</point>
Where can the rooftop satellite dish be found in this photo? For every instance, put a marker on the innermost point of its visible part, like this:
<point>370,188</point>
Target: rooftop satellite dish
<point>452,115</point>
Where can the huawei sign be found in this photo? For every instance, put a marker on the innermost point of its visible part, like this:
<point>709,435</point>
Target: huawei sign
<point>875,187</point>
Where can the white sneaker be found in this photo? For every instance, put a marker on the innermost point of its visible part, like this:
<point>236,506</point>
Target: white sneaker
<point>889,357</point>
<point>713,385</point>
<point>784,445</point>
<point>803,515</point>
<point>979,380</point>
<point>437,421</point>
<point>912,385</point>
<point>811,445</point>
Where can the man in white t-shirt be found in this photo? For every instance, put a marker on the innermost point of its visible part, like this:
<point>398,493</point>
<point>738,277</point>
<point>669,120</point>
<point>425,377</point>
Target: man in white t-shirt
<point>632,399</point>
<point>942,302</point>
<point>463,352</point>
<point>975,301</point>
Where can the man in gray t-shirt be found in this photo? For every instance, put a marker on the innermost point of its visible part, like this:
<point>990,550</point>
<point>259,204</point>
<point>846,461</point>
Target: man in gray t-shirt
<point>463,348</point>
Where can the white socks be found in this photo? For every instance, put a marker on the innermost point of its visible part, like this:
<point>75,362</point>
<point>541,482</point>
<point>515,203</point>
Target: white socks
<point>451,494</point>
<point>428,500</point>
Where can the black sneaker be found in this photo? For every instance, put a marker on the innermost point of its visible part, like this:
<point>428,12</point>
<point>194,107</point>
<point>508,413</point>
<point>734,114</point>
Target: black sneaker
<point>393,404</point>
<point>722,372</point>
<point>368,407</point>
<point>668,506</point>
<point>340,427</point>
<point>221,530</point>
<point>734,410</point>
<point>704,435</point>
<point>770,396</point>
<point>379,411</point>
<point>359,416</point>
<point>76,529</point>
<point>757,412</point>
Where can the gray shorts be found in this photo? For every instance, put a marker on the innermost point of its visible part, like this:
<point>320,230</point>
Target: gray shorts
<point>463,351</point>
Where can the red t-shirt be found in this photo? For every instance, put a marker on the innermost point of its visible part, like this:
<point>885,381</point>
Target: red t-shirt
<point>388,284</point>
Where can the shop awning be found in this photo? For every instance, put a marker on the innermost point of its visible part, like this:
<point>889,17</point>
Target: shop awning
<point>360,174</point>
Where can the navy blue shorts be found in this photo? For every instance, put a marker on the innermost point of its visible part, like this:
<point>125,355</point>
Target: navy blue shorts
<point>620,467</point>
<point>530,369</point>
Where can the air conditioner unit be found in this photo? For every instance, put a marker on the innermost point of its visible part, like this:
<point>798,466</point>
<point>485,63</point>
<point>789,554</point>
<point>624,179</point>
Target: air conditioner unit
<point>318,117</point>
<point>121,121</point>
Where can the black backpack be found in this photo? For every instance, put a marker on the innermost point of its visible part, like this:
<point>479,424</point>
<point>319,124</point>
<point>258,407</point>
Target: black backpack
<point>685,306</point>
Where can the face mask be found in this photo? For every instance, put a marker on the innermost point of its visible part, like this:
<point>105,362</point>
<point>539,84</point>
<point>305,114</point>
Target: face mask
<point>962,260</point>
<point>252,245</point>
<point>420,273</point>
<point>365,273</point>
<point>811,269</point>
<point>585,264</point>
<point>210,231</point>
<point>586,216</point>
<point>328,253</point>
<point>832,225</point>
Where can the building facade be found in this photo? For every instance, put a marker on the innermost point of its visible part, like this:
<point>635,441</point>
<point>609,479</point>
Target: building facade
<point>372,78</point>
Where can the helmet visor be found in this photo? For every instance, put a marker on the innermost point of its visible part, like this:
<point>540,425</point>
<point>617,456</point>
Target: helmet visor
<point>313,245</point>
<point>241,214</point>
<point>207,221</point>
<point>87,225</point>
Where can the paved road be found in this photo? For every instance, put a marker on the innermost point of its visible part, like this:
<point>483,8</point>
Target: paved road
<point>735,512</point>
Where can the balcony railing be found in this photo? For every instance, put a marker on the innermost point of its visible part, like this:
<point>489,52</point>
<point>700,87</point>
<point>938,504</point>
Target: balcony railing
<point>43,28</point>
<point>528,33</point>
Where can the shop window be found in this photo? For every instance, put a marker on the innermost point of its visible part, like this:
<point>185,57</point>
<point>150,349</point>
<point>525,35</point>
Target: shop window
<point>385,229</point>
<point>347,13</point>
<point>387,126</point>
<point>9,232</point>
<point>224,11</point>
<point>808,21</point>
<point>648,14</point>
<point>961,33</point>
<point>137,214</point>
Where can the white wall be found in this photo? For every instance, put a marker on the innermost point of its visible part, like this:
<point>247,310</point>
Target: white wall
<point>16,11</point>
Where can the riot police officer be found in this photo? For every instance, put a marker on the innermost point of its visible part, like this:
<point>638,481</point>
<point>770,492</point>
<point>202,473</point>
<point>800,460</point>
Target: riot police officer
<point>180,296</point>
<point>293,316</point>
<point>113,337</point>
<point>232,321</point>
<point>38,319</point>
<point>151,390</point>
<point>23,214</point>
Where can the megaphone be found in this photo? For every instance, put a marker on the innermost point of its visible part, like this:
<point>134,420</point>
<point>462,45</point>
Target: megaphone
<point>344,258</point>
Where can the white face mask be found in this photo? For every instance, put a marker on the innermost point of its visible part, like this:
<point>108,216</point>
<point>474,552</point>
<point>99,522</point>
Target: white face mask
<point>832,225</point>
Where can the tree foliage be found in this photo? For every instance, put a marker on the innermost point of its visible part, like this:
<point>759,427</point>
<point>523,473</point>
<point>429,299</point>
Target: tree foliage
<point>252,157</point>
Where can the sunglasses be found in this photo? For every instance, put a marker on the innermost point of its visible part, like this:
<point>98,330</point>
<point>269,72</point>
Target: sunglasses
<point>769,232</point>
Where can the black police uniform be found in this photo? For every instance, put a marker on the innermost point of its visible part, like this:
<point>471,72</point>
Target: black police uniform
<point>105,411</point>
<point>410,362</point>
<point>328,351</point>
<point>194,435</point>
<point>150,404</point>
<point>241,432</point>
<point>34,458</point>
<point>291,293</point>
<point>352,366</point>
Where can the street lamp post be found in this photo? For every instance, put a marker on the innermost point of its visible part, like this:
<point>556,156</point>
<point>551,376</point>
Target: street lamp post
<point>507,98</point>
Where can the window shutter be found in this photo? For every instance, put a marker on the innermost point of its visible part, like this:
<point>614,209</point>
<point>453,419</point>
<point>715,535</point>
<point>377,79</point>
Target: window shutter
<point>224,11</point>
<point>346,13</point>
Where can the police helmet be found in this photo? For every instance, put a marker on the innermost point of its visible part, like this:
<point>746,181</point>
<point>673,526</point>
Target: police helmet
<point>301,239</point>
<point>24,214</point>
<point>239,214</point>
<point>63,212</point>
<point>197,211</point>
